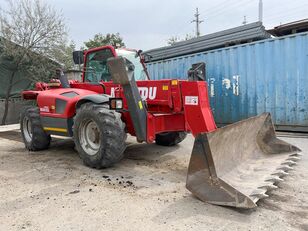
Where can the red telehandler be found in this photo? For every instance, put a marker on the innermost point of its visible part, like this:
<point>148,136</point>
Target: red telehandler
<point>234,165</point>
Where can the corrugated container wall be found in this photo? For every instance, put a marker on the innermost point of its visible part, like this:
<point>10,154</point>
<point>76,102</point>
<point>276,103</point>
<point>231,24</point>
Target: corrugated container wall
<point>245,80</point>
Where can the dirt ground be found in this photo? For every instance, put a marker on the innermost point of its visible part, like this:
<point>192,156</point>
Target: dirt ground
<point>53,190</point>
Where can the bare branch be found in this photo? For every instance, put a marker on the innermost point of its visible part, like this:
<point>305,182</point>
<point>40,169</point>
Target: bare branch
<point>33,25</point>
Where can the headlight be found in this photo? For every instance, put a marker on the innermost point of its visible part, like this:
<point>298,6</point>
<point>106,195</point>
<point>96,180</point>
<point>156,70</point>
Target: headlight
<point>115,103</point>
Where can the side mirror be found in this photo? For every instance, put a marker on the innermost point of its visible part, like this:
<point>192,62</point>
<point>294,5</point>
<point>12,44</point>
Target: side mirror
<point>78,57</point>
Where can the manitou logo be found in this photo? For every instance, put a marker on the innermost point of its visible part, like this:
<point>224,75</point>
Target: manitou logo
<point>145,92</point>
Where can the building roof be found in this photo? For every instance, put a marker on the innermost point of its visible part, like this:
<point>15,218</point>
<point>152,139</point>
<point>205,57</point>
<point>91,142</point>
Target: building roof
<point>238,35</point>
<point>290,28</point>
<point>23,80</point>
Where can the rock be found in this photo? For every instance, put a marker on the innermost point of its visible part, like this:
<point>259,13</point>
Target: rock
<point>74,192</point>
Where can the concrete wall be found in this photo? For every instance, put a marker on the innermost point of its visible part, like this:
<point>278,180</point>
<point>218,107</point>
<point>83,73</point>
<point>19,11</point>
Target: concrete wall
<point>15,107</point>
<point>73,75</point>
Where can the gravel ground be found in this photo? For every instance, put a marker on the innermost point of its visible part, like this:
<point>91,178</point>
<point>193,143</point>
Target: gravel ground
<point>53,190</point>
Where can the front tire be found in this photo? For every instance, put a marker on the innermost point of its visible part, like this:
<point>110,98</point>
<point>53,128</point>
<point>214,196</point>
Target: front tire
<point>33,134</point>
<point>99,135</point>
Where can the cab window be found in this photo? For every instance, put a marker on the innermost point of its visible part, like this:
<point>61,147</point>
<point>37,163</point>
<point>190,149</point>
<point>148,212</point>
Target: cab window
<point>96,69</point>
<point>133,58</point>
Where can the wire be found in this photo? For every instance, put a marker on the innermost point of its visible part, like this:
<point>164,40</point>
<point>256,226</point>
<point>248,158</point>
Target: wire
<point>219,9</point>
<point>289,12</point>
<point>223,7</point>
<point>216,7</point>
<point>228,8</point>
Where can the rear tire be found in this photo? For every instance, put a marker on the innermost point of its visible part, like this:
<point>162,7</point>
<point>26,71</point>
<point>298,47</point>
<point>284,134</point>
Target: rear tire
<point>33,134</point>
<point>170,138</point>
<point>99,135</point>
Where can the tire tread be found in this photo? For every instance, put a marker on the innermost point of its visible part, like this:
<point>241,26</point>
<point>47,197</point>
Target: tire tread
<point>114,136</point>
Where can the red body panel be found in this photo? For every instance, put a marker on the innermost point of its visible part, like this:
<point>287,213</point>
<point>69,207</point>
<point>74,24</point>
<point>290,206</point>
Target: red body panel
<point>197,107</point>
<point>171,105</point>
<point>46,101</point>
<point>157,94</point>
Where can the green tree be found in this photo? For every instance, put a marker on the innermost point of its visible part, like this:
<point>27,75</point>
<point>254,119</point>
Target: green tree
<point>174,39</point>
<point>63,54</point>
<point>30,30</point>
<point>101,40</point>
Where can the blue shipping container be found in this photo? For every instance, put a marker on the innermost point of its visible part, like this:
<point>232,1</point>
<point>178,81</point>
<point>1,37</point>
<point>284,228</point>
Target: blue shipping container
<point>245,80</point>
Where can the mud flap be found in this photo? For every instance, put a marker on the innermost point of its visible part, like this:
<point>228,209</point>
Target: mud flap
<point>237,164</point>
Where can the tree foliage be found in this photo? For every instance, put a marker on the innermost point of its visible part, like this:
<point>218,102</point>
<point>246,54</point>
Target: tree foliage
<point>174,39</point>
<point>63,54</point>
<point>33,25</point>
<point>30,31</point>
<point>101,40</point>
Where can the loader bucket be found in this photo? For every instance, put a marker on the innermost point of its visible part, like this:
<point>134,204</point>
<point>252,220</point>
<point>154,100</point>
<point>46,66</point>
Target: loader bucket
<point>237,164</point>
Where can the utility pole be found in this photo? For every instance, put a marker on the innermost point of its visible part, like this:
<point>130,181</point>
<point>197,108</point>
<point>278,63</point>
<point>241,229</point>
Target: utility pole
<point>245,21</point>
<point>260,11</point>
<point>197,21</point>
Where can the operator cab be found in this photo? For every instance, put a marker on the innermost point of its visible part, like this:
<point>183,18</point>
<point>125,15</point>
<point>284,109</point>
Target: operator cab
<point>95,66</point>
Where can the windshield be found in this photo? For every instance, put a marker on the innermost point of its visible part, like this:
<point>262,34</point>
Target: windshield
<point>96,66</point>
<point>96,69</point>
<point>132,56</point>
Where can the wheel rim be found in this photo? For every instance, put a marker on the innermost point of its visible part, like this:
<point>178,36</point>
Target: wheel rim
<point>27,129</point>
<point>89,137</point>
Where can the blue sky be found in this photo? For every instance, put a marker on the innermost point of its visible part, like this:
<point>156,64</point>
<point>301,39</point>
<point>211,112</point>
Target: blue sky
<point>148,24</point>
